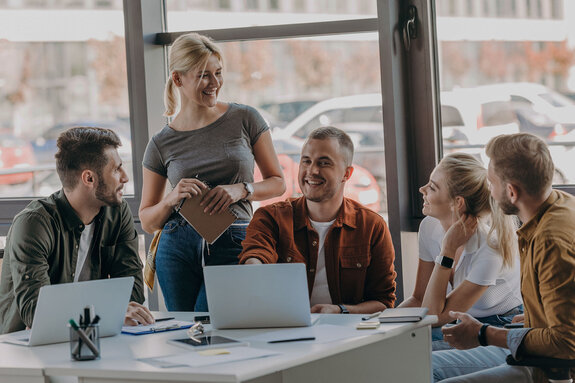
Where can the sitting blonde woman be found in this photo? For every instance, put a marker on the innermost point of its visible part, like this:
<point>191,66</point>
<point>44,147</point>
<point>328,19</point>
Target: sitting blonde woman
<point>467,249</point>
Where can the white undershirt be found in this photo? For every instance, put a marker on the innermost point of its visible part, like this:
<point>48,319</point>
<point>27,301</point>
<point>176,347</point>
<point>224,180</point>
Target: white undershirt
<point>84,248</point>
<point>320,292</point>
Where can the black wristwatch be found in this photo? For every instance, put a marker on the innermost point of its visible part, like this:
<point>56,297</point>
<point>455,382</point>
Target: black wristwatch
<point>343,309</point>
<point>249,188</point>
<point>444,261</point>
<point>482,336</point>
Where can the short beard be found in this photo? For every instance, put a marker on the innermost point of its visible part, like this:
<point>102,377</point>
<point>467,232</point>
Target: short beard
<point>107,199</point>
<point>507,207</point>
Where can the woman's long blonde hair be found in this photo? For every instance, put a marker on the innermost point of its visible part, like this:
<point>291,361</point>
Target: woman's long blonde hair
<point>189,52</point>
<point>467,177</point>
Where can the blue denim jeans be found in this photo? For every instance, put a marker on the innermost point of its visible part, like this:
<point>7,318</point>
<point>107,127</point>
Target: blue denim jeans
<point>180,258</point>
<point>477,365</point>
<point>495,320</point>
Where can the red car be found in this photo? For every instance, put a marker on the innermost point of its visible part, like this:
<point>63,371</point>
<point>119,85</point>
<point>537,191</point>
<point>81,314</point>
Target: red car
<point>15,154</point>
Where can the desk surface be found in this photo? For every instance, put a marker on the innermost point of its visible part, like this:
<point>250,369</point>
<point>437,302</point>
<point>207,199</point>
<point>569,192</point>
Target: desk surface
<point>120,354</point>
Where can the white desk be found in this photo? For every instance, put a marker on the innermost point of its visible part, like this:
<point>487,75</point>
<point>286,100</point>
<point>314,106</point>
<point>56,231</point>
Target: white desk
<point>398,353</point>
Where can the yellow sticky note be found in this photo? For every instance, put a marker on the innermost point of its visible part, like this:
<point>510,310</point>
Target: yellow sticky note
<point>214,351</point>
<point>367,325</point>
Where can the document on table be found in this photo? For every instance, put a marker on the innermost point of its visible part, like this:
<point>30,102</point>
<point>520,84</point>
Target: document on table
<point>323,333</point>
<point>168,325</point>
<point>199,359</point>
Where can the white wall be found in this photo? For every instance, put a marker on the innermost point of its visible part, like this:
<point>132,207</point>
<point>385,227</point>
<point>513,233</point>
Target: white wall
<point>409,253</point>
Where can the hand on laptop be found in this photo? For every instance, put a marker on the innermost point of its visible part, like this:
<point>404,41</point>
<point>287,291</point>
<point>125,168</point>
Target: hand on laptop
<point>138,314</point>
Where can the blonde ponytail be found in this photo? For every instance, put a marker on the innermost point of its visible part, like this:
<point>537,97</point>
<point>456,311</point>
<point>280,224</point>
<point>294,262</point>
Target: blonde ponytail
<point>502,236</point>
<point>170,98</point>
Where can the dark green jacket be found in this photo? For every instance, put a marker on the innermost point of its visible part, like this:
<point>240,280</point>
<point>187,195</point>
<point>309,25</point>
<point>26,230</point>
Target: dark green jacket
<point>42,249</point>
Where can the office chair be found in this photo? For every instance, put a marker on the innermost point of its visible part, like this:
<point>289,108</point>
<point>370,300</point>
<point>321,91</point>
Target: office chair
<point>556,370</point>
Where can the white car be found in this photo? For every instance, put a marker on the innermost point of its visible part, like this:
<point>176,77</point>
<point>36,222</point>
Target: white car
<point>490,110</point>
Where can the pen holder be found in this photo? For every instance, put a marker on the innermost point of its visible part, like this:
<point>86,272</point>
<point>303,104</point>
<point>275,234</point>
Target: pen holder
<point>85,345</point>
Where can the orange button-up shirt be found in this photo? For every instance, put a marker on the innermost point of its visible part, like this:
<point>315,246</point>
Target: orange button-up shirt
<point>359,253</point>
<point>547,248</point>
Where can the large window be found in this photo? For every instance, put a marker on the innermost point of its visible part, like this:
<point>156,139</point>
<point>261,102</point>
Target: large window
<point>63,65</point>
<point>511,75</point>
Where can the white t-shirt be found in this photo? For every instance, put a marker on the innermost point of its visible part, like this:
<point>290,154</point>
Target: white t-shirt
<point>320,292</point>
<point>479,264</point>
<point>83,249</point>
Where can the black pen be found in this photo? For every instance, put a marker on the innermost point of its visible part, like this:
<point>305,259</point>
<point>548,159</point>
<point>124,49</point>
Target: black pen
<point>291,340</point>
<point>164,319</point>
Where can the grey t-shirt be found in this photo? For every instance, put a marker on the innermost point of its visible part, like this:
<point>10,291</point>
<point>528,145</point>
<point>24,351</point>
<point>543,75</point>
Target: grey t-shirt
<point>220,153</point>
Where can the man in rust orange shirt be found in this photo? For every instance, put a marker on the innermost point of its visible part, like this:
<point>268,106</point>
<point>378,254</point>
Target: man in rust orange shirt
<point>346,247</point>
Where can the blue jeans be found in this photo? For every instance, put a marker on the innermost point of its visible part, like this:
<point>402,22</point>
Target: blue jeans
<point>179,261</point>
<point>495,320</point>
<point>477,365</point>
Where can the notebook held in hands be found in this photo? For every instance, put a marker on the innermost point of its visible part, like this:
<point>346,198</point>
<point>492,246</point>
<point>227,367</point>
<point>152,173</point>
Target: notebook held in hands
<point>210,227</point>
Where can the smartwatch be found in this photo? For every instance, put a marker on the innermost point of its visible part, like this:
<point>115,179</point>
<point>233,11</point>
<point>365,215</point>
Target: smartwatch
<point>343,309</point>
<point>444,261</point>
<point>249,188</point>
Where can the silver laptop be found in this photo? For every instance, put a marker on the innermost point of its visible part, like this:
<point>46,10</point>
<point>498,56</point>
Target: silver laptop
<point>256,296</point>
<point>57,304</point>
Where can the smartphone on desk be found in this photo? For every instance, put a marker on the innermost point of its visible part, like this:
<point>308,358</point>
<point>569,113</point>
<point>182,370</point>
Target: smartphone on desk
<point>207,341</point>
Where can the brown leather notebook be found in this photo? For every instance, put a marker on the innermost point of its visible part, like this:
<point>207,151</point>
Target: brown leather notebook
<point>210,227</point>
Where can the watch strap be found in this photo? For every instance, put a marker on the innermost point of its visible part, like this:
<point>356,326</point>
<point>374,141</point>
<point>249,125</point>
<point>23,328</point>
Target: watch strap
<point>249,189</point>
<point>343,309</point>
<point>482,336</point>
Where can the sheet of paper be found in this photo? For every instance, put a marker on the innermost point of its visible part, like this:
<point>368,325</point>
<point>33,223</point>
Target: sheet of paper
<point>323,333</point>
<point>157,327</point>
<point>197,359</point>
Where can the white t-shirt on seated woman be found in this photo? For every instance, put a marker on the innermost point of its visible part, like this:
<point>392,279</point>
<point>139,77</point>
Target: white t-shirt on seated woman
<point>480,264</point>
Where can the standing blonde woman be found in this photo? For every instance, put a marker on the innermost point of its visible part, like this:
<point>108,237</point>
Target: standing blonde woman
<point>467,248</point>
<point>208,143</point>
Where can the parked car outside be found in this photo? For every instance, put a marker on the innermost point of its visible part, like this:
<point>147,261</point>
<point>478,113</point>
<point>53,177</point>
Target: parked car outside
<point>15,154</point>
<point>490,110</point>
<point>286,111</point>
<point>482,115</point>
